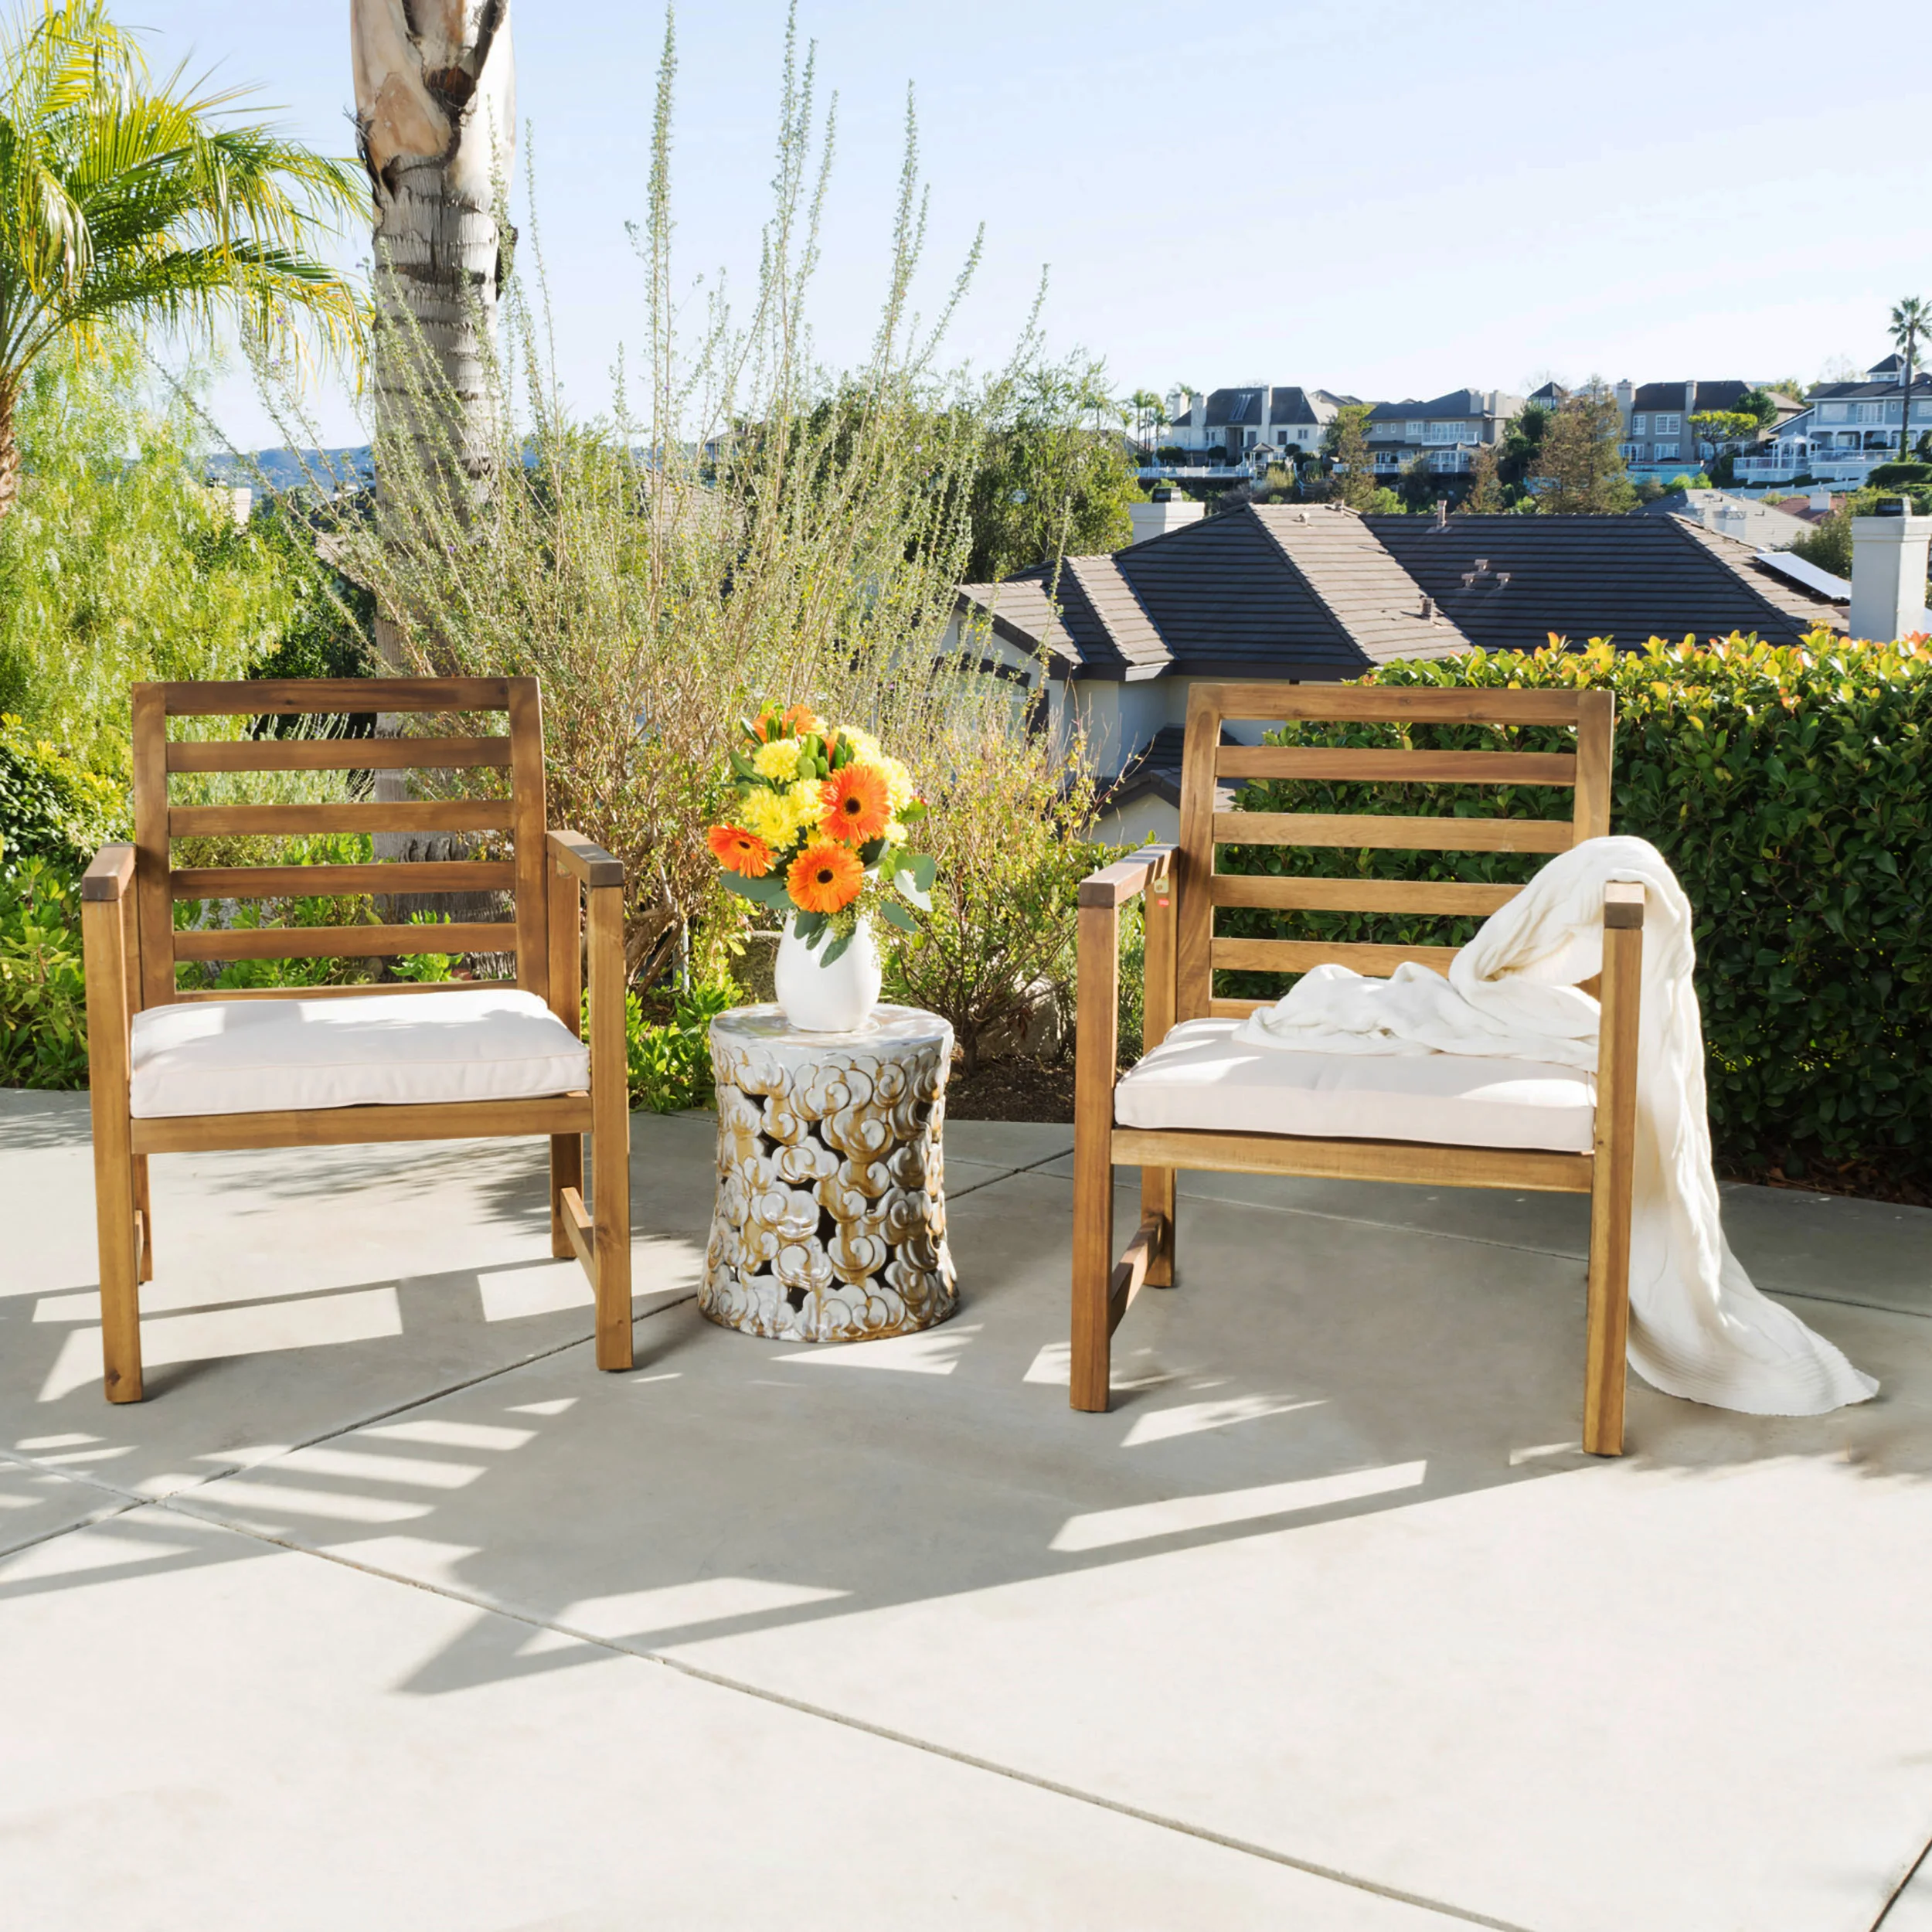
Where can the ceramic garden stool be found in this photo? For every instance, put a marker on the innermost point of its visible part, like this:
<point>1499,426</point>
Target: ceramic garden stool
<point>831,1217</point>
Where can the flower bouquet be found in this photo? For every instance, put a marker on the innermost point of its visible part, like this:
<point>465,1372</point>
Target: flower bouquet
<point>817,828</point>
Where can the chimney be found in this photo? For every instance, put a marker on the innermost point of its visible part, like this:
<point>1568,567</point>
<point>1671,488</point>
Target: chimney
<point>1166,512</point>
<point>1888,572</point>
<point>1626,395</point>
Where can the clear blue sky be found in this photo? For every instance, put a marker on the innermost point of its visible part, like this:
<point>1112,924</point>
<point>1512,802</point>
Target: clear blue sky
<point>1390,197</point>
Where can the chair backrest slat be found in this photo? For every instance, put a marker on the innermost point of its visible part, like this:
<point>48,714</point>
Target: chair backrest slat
<point>332,697</point>
<point>296,822</point>
<point>342,942</point>
<point>289,882</point>
<point>1298,955</point>
<point>518,754</point>
<point>1452,896</point>
<point>1205,762</point>
<point>1372,830</point>
<point>341,754</point>
<point>1336,765</point>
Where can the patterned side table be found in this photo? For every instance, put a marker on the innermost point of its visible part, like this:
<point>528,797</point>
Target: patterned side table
<point>831,1217</point>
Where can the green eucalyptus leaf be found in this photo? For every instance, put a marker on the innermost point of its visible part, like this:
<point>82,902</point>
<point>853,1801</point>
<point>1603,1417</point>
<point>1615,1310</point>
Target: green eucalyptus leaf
<point>836,949</point>
<point>896,915</point>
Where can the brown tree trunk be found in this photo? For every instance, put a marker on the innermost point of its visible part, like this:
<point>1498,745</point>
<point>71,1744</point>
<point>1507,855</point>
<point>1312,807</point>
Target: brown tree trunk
<point>9,450</point>
<point>436,115</point>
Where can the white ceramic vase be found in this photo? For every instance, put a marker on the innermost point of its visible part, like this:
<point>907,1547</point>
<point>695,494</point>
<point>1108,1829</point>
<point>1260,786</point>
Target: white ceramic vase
<point>820,999</point>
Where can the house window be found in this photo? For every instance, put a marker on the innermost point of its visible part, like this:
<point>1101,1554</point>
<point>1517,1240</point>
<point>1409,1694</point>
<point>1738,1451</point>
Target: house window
<point>1640,426</point>
<point>1666,452</point>
<point>1668,426</point>
<point>1865,412</point>
<point>1445,433</point>
<point>1412,432</point>
<point>1630,452</point>
<point>1831,412</point>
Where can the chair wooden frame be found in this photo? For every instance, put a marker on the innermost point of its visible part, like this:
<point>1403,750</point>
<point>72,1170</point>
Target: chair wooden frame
<point>1182,953</point>
<point>131,947</point>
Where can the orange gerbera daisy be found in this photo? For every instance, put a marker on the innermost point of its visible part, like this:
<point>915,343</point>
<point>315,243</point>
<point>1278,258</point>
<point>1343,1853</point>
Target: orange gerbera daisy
<point>800,719</point>
<point>738,851</point>
<point>859,803</point>
<point>826,877</point>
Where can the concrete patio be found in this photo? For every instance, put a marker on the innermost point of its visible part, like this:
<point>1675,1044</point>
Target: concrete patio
<point>387,1610</point>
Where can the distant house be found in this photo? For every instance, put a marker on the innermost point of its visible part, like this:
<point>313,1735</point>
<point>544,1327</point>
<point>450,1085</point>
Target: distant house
<point>1229,425</point>
<point>1658,440</point>
<point>1320,594</point>
<point>1846,430</point>
<point>1446,431</point>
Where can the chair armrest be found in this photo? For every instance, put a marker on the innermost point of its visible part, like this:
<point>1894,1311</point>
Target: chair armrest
<point>1126,879</point>
<point>1622,904</point>
<point>590,863</point>
<point>110,875</point>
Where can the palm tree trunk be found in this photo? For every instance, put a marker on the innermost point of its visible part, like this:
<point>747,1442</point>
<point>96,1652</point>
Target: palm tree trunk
<point>9,449</point>
<point>435,109</point>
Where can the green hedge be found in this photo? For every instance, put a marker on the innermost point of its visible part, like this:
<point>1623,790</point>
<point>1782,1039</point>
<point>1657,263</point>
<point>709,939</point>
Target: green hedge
<point>1791,791</point>
<point>51,806</point>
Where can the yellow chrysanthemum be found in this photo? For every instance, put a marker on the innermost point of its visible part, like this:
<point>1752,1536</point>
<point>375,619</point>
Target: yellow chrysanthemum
<point>777,760</point>
<point>767,816</point>
<point>865,746</point>
<point>899,782</point>
<point>804,803</point>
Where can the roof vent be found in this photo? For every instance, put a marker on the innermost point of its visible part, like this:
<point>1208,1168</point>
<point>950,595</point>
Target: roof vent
<point>1429,610</point>
<point>1442,514</point>
<point>1482,566</point>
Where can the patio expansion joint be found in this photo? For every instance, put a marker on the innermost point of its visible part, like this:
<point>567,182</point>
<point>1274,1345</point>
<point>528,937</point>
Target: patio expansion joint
<point>1899,1890</point>
<point>718,1680</point>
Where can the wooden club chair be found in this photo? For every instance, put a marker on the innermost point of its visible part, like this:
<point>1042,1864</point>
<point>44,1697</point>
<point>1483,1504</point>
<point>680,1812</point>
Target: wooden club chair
<point>181,1073</point>
<point>1198,1100</point>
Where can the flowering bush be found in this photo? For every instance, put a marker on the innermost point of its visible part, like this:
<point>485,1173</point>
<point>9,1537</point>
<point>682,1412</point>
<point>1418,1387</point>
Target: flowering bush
<point>817,828</point>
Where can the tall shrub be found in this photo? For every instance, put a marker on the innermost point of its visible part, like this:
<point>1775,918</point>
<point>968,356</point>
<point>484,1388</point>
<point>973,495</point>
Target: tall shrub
<point>1790,789</point>
<point>743,523</point>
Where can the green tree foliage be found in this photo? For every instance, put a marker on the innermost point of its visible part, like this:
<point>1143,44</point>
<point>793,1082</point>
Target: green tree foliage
<point>52,807</point>
<point>1723,431</point>
<point>1522,444</point>
<point>125,204</point>
<point>1055,479</point>
<point>1761,405</point>
<point>1485,497</point>
<point>1790,789</point>
<point>1346,442</point>
<point>1579,467</point>
<point>120,565</point>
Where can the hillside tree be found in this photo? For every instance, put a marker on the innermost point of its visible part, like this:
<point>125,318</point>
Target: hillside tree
<point>1581,463</point>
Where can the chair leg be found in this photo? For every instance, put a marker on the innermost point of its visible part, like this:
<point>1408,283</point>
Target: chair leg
<point>610,1216</point>
<point>1093,1265</point>
<point>144,1206</point>
<point>566,1170</point>
<point>115,1198</point>
<point>1157,1197</point>
<point>1607,1333</point>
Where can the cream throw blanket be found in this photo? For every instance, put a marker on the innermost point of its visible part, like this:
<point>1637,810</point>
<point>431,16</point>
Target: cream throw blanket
<point>1698,1327</point>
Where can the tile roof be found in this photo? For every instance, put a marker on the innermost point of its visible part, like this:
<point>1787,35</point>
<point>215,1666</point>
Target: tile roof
<point>1297,406</point>
<point>1629,578</point>
<point>1366,590</point>
<point>1276,591</point>
<point>1458,402</point>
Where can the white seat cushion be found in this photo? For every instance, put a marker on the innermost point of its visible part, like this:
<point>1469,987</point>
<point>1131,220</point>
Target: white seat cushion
<point>257,1055</point>
<point>1200,1076</point>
